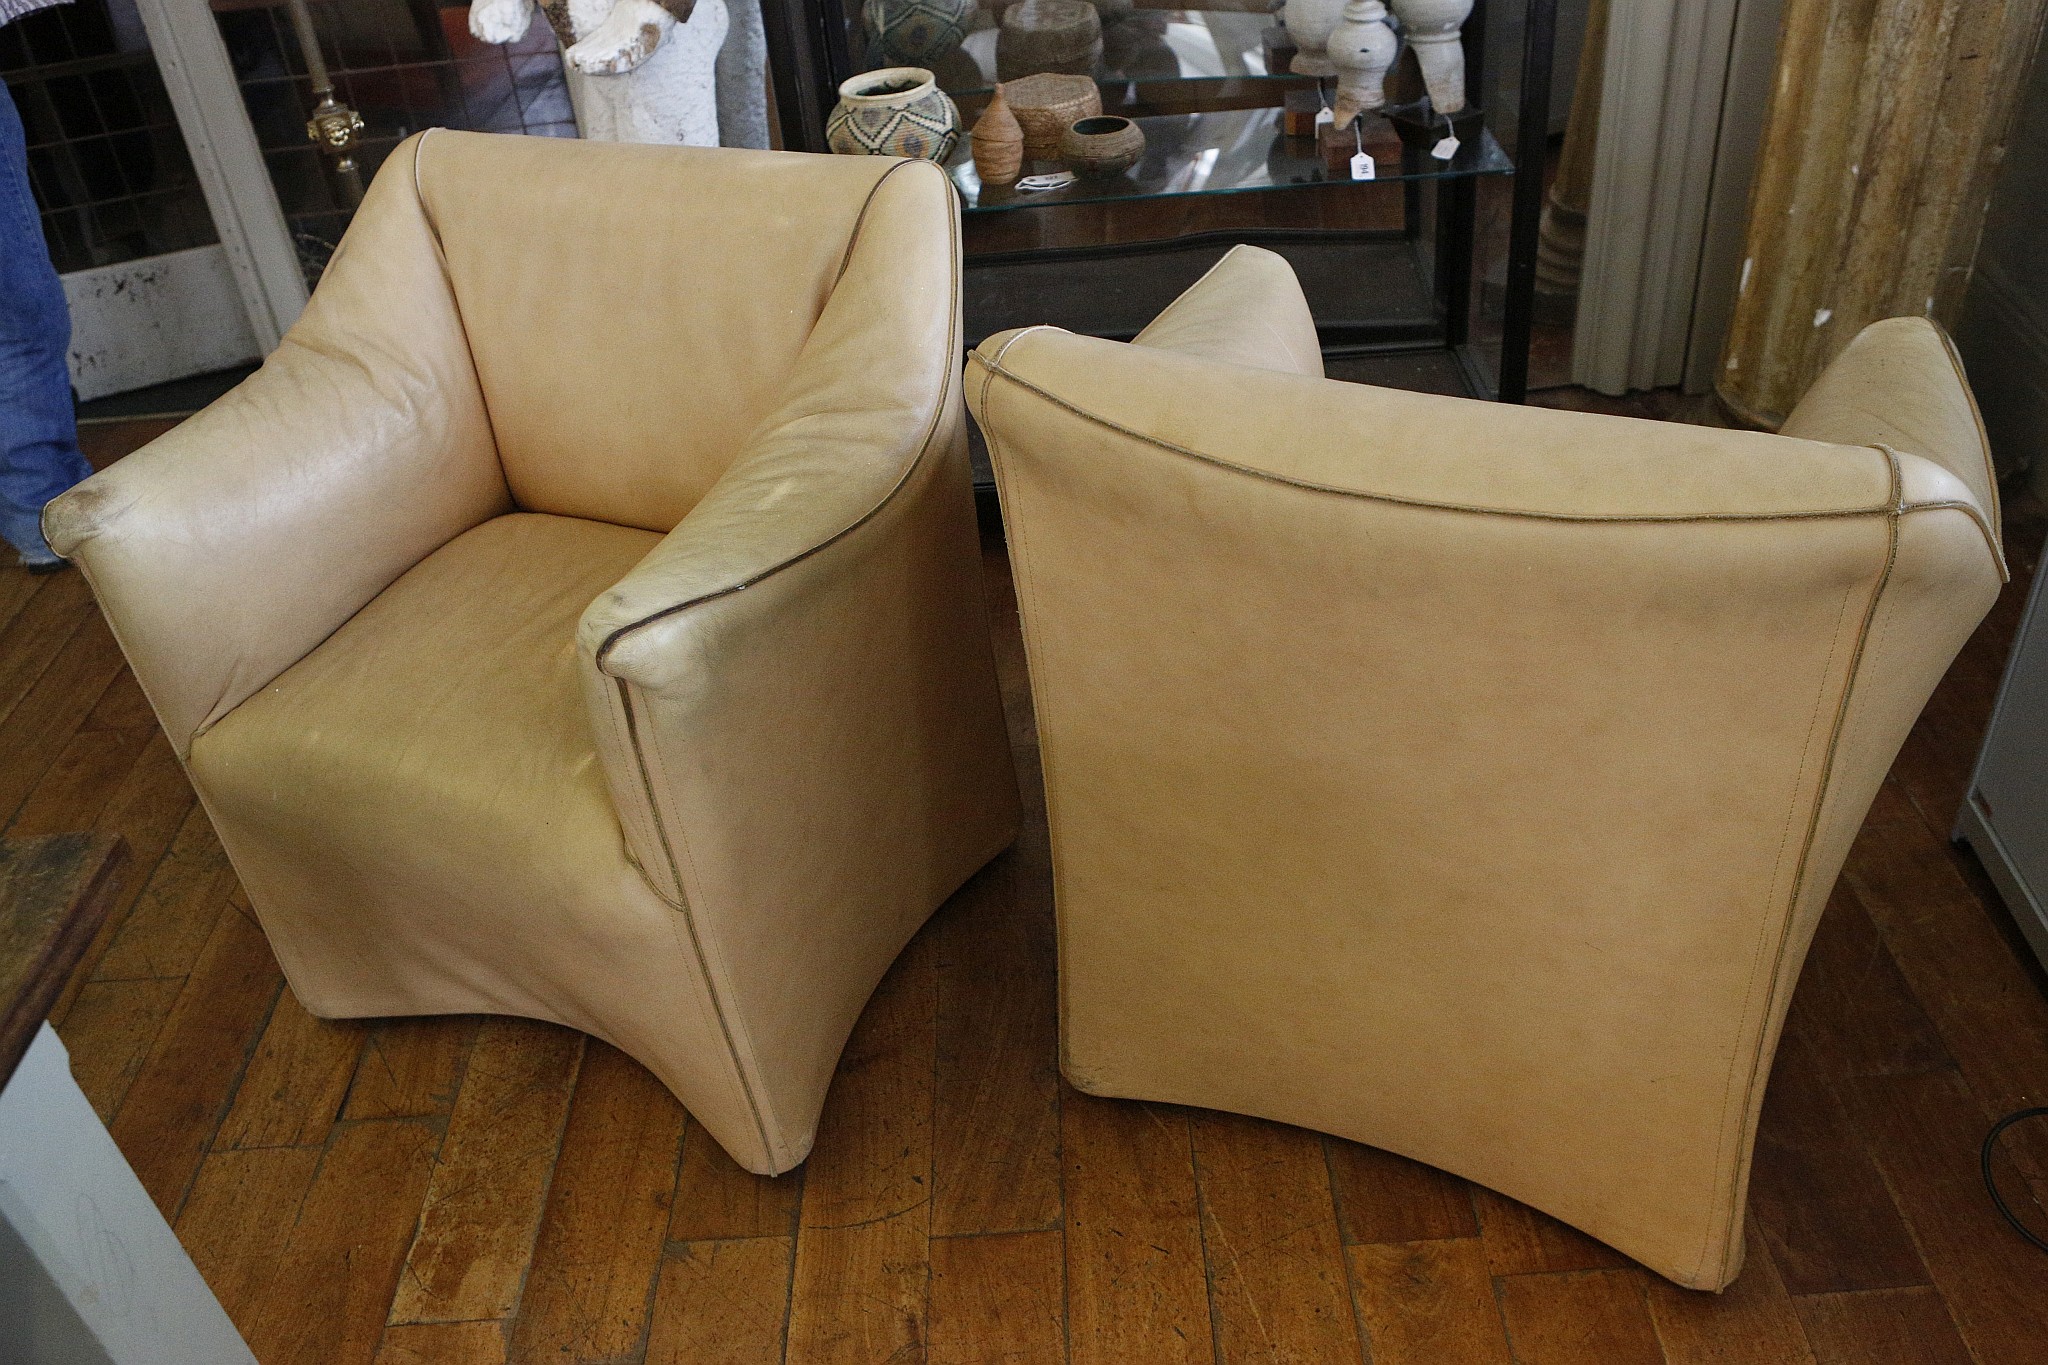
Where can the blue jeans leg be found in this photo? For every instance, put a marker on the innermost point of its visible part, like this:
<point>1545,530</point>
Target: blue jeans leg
<point>38,435</point>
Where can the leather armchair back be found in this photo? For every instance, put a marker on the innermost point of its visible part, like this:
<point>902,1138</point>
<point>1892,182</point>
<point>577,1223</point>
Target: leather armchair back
<point>1467,779</point>
<point>624,371</point>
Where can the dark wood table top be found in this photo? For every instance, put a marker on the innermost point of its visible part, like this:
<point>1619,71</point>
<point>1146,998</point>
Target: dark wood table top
<point>54,896</point>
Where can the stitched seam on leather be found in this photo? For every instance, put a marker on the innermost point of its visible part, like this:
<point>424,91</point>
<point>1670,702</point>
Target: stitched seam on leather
<point>1752,1091</point>
<point>860,220</point>
<point>476,372</point>
<point>1955,361</point>
<point>689,918</point>
<point>1182,297</point>
<point>1394,499</point>
<point>1035,674</point>
<point>649,831</point>
<point>909,469</point>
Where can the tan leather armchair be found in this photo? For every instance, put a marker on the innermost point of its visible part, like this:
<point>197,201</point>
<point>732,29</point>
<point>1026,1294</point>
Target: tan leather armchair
<point>1464,779</point>
<point>579,616</point>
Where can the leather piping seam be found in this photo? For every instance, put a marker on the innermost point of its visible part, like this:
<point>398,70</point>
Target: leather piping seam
<point>689,919</point>
<point>1752,1092</point>
<point>1955,362</point>
<point>703,956</point>
<point>455,300</point>
<point>1179,299</point>
<point>1035,674</point>
<point>1889,507</point>
<point>903,478</point>
<point>860,220</point>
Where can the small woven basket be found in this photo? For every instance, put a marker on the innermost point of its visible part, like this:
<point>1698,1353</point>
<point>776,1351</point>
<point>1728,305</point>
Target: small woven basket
<point>1046,104</point>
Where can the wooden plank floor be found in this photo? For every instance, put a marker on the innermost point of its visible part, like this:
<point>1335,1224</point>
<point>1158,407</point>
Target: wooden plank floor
<point>462,1191</point>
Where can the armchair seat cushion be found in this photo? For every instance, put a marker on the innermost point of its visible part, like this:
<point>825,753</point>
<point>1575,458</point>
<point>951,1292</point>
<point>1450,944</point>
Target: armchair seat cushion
<point>422,797</point>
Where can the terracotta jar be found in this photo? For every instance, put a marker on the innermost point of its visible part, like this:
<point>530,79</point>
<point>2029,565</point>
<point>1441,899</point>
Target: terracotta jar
<point>897,111</point>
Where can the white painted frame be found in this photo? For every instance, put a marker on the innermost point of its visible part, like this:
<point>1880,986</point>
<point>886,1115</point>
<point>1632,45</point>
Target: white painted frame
<point>1681,112</point>
<point>201,84</point>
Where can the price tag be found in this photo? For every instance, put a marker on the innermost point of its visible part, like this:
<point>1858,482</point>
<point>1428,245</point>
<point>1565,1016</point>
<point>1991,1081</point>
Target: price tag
<point>1362,167</point>
<point>1325,116</point>
<point>1446,148</point>
<point>1046,182</point>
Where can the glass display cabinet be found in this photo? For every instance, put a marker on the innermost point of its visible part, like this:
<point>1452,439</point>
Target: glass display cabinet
<point>1421,277</point>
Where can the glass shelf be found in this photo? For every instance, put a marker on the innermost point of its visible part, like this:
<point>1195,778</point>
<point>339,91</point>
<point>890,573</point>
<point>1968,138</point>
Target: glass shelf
<point>1145,46</point>
<point>1223,152</point>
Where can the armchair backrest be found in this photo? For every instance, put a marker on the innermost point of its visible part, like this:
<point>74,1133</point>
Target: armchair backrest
<point>634,312</point>
<point>1552,728</point>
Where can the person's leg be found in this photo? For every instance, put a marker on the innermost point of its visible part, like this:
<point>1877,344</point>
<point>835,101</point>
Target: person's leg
<point>38,436</point>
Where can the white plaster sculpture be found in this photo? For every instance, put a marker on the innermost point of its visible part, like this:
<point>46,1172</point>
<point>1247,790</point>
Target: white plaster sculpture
<point>1362,47</point>
<point>1432,28</point>
<point>1308,23</point>
<point>639,70</point>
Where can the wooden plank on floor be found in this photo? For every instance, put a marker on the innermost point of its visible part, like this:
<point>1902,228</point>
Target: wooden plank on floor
<point>1853,1008</point>
<point>325,1304</point>
<point>718,1200</point>
<point>862,1280</point>
<point>1593,1317</point>
<point>410,1068</point>
<point>995,1109</point>
<point>179,1096</point>
<point>1882,1327</point>
<point>1925,1131</point>
<point>239,1217</point>
<point>175,909</point>
<point>37,729</point>
<point>1521,1241</point>
<point>1963,971</point>
<point>600,1245</point>
<point>77,786</point>
<point>109,1031</point>
<point>1428,1303</point>
<point>31,642</point>
<point>443,1343</point>
<point>1815,1194</point>
<point>721,1301</point>
<point>292,1092</point>
<point>1382,1197</point>
<point>1751,1322</point>
<point>490,1183</point>
<point>1136,1283</point>
<point>998,1298</point>
<point>1278,1288</point>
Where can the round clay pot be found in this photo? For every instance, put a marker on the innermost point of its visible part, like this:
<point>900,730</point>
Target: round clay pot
<point>1048,35</point>
<point>914,30</point>
<point>897,111</point>
<point>1101,146</point>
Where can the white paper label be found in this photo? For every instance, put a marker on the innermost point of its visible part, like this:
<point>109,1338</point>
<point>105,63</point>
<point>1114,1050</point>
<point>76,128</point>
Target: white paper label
<point>1325,117</point>
<point>1445,149</point>
<point>1046,182</point>
<point>1362,167</point>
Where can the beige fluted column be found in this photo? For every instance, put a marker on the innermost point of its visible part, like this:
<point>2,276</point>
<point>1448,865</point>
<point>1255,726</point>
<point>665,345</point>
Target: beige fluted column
<point>1885,131</point>
<point>1561,246</point>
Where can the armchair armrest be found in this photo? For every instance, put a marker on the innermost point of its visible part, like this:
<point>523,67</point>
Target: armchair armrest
<point>227,549</point>
<point>793,695</point>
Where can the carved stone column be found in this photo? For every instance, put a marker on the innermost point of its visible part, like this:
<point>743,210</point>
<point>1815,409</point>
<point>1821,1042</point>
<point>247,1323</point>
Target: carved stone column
<point>1886,126</point>
<point>1561,247</point>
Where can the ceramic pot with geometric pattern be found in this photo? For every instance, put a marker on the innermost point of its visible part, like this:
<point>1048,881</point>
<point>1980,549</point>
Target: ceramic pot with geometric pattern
<point>897,111</point>
<point>914,30</point>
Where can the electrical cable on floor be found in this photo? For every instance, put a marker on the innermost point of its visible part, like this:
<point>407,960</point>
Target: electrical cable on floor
<point>1991,1185</point>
